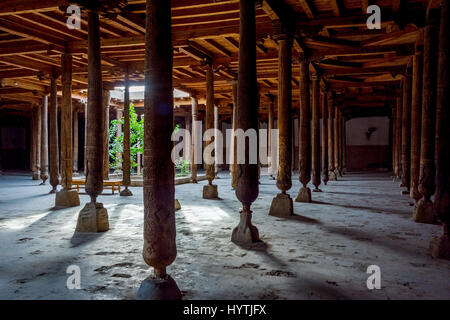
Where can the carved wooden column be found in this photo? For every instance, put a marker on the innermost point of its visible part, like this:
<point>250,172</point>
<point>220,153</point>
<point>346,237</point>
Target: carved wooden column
<point>324,138</point>
<point>119,133</point>
<point>344,145</point>
<point>282,205</point>
<point>188,142</point>
<point>416,101</point>
<point>233,166</point>
<point>66,197</point>
<point>304,130</point>
<point>195,133</point>
<point>423,211</point>
<point>34,142</point>
<point>106,101</point>
<point>217,128</point>
<point>126,156</point>
<point>337,144</point>
<point>247,187</point>
<point>440,246</point>
<point>44,140</point>
<point>94,217</point>
<point>209,190</point>
<point>85,138</point>
<point>270,127</point>
<point>393,141</point>
<point>75,142</point>
<point>53,132</point>
<point>159,171</point>
<point>398,136</point>
<point>315,139</point>
<point>331,174</point>
<point>406,132</point>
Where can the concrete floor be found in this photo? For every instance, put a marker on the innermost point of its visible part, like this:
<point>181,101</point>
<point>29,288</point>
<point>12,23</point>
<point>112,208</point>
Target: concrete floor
<point>321,253</point>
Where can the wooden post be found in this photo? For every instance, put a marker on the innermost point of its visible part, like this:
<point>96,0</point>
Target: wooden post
<point>34,142</point>
<point>440,246</point>
<point>394,142</point>
<point>423,211</point>
<point>315,148</point>
<point>66,197</point>
<point>85,138</point>
<point>106,101</point>
<point>217,128</point>
<point>247,187</point>
<point>282,205</point>
<point>398,136</point>
<point>159,174</point>
<point>406,132</point>
<point>195,133</point>
<point>233,138</point>
<point>270,127</point>
<point>210,190</point>
<point>304,194</point>
<point>75,142</point>
<point>94,217</point>
<point>44,140</point>
<point>126,160</point>
<point>415,126</point>
<point>39,139</point>
<point>331,174</point>
<point>119,133</point>
<point>344,145</point>
<point>53,140</point>
<point>188,142</point>
<point>324,138</point>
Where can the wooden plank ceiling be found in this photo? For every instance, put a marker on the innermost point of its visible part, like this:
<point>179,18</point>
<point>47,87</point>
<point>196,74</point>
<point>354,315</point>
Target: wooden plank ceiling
<point>363,66</point>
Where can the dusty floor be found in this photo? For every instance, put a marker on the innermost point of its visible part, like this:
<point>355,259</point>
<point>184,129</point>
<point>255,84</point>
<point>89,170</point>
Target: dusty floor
<point>322,253</point>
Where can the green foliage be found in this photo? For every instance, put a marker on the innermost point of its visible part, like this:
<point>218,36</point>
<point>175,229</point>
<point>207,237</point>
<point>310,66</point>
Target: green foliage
<point>182,166</point>
<point>136,139</point>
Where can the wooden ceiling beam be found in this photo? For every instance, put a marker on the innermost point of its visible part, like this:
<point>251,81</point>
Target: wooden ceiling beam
<point>21,6</point>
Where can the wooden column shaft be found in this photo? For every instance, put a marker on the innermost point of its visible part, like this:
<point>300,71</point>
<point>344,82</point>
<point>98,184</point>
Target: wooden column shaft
<point>194,110</point>
<point>95,121</point>
<point>44,139</point>
<point>126,162</point>
<point>315,139</point>
<point>330,132</point>
<point>53,133</point>
<point>324,137</point>
<point>247,187</point>
<point>406,131</point>
<point>416,125</point>
<point>209,120</point>
<point>427,166</point>
<point>159,171</point>
<point>66,122</point>
<point>305,124</point>
<point>284,173</point>
<point>75,141</point>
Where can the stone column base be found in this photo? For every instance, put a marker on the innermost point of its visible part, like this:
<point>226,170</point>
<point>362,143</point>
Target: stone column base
<point>440,247</point>
<point>126,193</point>
<point>210,191</point>
<point>282,206</point>
<point>93,218</point>
<point>337,173</point>
<point>424,212</point>
<point>67,198</point>
<point>177,205</point>
<point>317,190</point>
<point>153,288</point>
<point>245,232</point>
<point>35,175</point>
<point>304,195</point>
<point>332,176</point>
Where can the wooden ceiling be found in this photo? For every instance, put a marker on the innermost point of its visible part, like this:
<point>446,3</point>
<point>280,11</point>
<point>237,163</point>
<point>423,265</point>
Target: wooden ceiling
<point>363,66</point>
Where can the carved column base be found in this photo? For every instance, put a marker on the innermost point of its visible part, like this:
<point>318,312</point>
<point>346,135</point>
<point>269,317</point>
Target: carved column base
<point>67,198</point>
<point>245,232</point>
<point>440,247</point>
<point>93,218</point>
<point>424,212</point>
<point>35,175</point>
<point>126,193</point>
<point>177,205</point>
<point>337,173</point>
<point>316,189</point>
<point>54,190</point>
<point>153,288</point>
<point>210,191</point>
<point>332,176</point>
<point>304,195</point>
<point>282,206</point>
